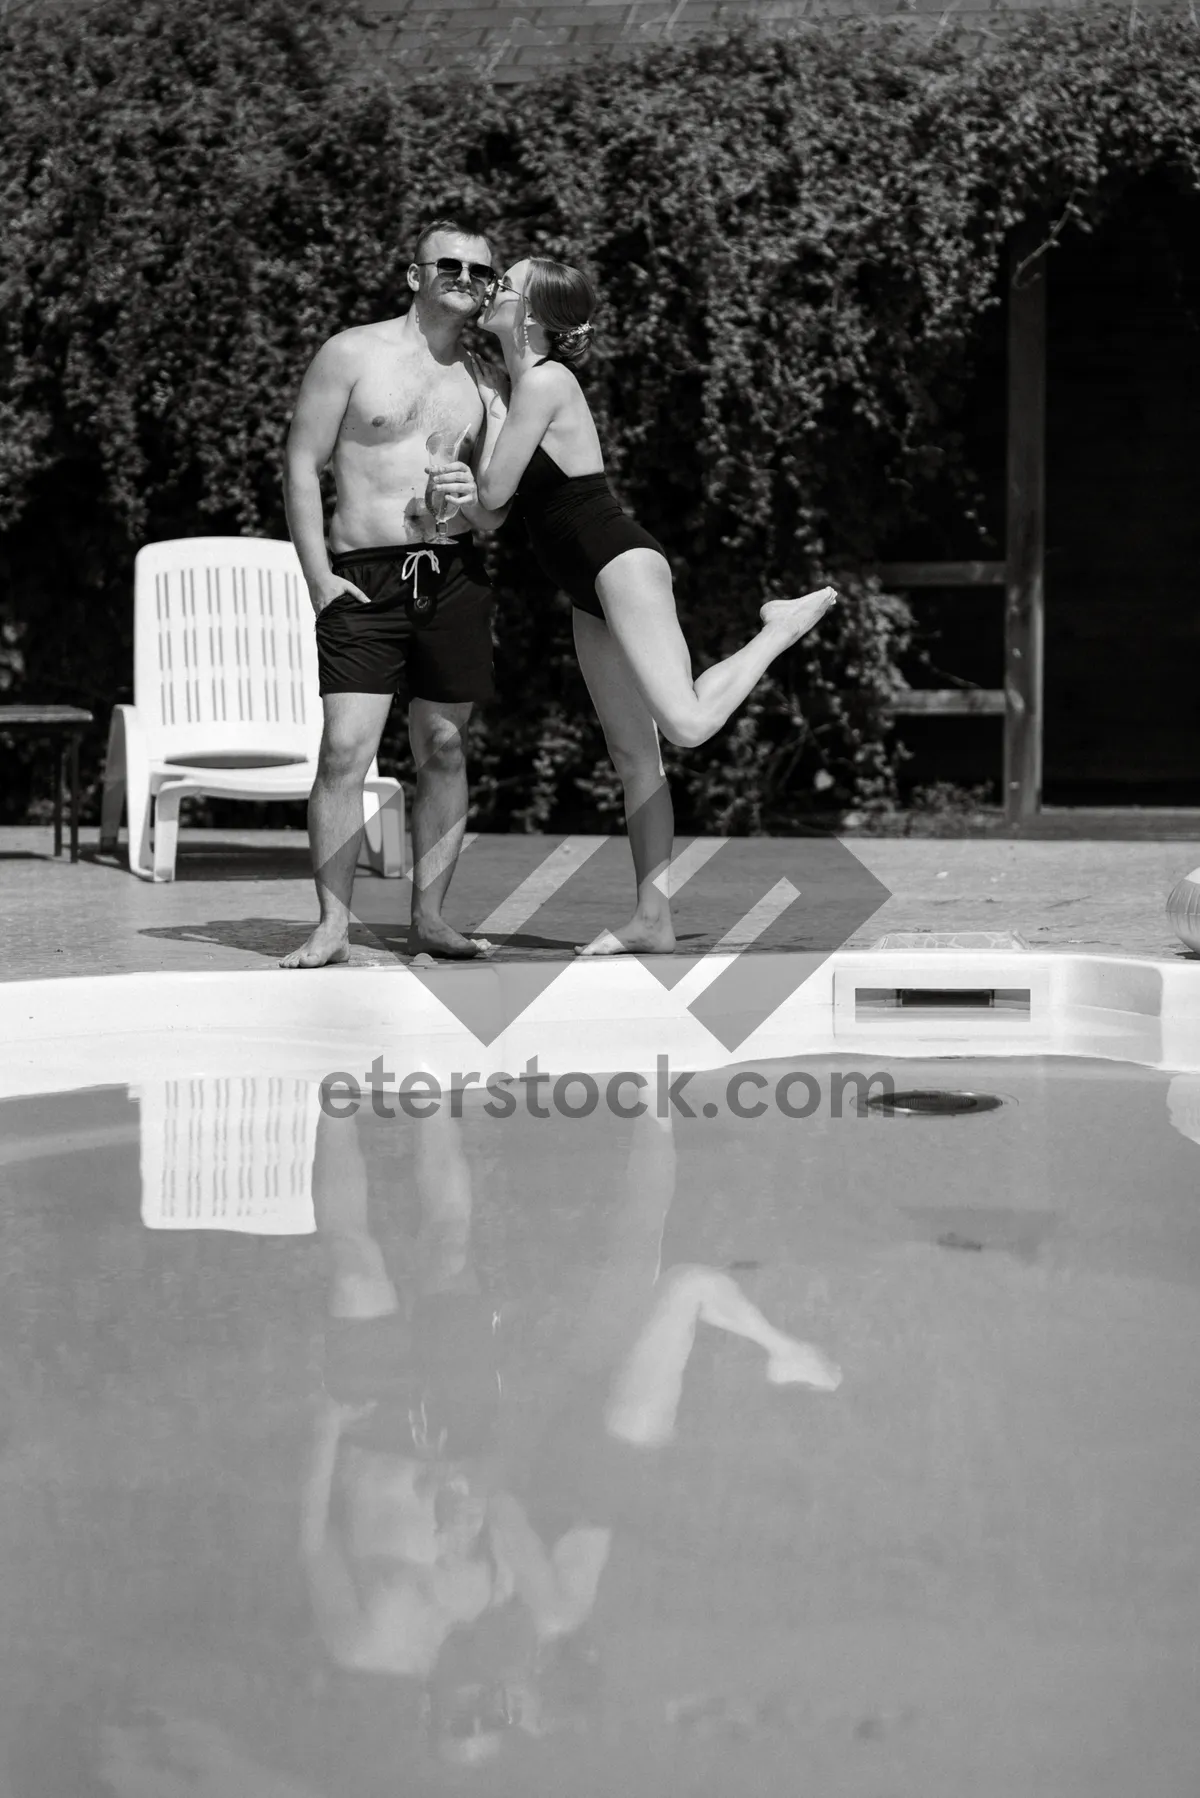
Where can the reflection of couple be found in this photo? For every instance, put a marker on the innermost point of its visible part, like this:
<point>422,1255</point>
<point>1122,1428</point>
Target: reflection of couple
<point>429,1553</point>
<point>399,606</point>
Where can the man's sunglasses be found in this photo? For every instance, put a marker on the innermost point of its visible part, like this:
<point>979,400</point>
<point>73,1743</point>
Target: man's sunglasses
<point>452,268</point>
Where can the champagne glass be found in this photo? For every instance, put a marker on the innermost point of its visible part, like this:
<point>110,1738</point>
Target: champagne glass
<point>443,447</point>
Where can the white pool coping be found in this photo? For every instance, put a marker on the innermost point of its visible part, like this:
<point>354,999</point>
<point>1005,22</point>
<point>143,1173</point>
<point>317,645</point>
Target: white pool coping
<point>596,1017</point>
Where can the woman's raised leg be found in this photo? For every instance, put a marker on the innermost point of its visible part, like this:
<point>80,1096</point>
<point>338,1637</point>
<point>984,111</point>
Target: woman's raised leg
<point>632,738</point>
<point>644,1397</point>
<point>639,604</point>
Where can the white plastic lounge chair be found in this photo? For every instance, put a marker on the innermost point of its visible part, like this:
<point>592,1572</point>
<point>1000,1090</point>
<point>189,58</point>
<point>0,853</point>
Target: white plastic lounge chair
<point>228,1153</point>
<point>225,700</point>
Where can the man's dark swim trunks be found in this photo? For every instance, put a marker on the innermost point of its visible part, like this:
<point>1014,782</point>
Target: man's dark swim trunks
<point>427,632</point>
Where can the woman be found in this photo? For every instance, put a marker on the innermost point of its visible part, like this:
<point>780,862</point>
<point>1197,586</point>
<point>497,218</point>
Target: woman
<point>631,650</point>
<point>590,1473</point>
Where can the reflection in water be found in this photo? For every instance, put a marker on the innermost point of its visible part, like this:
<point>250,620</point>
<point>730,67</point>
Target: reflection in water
<point>1183,1105</point>
<point>170,1756</point>
<point>270,1466</point>
<point>432,1552</point>
<point>403,1450</point>
<point>228,1154</point>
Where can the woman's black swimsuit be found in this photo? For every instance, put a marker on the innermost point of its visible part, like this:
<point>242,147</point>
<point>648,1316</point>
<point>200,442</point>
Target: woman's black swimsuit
<point>576,527</point>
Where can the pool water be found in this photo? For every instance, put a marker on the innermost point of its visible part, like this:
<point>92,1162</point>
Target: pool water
<point>395,1455</point>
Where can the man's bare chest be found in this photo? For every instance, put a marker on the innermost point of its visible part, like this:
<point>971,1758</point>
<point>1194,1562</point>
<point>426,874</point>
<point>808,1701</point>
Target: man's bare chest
<point>394,401</point>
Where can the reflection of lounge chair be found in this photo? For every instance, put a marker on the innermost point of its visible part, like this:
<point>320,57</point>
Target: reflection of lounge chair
<point>225,698</point>
<point>228,1153</point>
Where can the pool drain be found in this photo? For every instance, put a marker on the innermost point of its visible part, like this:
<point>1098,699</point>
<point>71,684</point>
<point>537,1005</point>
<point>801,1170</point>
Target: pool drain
<point>933,1103</point>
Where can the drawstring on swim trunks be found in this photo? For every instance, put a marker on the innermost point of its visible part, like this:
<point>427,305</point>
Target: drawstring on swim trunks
<point>411,566</point>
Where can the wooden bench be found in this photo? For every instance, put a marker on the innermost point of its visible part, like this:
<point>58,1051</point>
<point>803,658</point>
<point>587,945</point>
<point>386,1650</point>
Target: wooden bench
<point>67,723</point>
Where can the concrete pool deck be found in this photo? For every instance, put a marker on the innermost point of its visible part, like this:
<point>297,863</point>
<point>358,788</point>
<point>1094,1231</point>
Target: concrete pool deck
<point>244,898</point>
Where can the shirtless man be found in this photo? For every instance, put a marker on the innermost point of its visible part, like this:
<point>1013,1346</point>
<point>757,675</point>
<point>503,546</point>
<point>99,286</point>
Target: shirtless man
<point>391,611</point>
<point>396,1497</point>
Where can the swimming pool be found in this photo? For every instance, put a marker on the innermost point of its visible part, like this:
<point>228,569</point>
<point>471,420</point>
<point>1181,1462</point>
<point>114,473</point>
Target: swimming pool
<point>341,1451</point>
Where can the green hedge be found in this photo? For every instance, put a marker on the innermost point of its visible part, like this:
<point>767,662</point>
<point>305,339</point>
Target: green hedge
<point>797,239</point>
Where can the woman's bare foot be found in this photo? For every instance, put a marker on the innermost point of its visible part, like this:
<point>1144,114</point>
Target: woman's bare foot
<point>796,617</point>
<point>327,947</point>
<point>433,936</point>
<point>641,936</point>
<point>801,1364</point>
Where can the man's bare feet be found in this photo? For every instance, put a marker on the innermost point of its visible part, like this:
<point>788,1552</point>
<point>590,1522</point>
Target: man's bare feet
<point>433,936</point>
<point>801,1364</point>
<point>327,947</point>
<point>641,936</point>
<point>796,617</point>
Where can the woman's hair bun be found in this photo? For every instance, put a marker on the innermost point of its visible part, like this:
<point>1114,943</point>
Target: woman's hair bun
<point>562,300</point>
<point>571,346</point>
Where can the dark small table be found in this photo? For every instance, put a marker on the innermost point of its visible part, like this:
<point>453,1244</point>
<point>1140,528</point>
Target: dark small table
<point>67,723</point>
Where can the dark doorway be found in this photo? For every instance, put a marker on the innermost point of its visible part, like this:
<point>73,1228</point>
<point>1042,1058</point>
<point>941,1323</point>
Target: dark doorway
<point>1123,507</point>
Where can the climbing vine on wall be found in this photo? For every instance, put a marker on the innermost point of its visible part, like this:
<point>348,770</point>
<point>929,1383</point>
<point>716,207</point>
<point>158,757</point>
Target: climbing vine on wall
<point>796,238</point>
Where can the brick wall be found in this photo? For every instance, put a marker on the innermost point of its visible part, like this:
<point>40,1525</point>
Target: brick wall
<point>513,41</point>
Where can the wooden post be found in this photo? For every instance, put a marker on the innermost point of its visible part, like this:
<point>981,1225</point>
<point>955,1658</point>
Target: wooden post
<point>1026,529</point>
